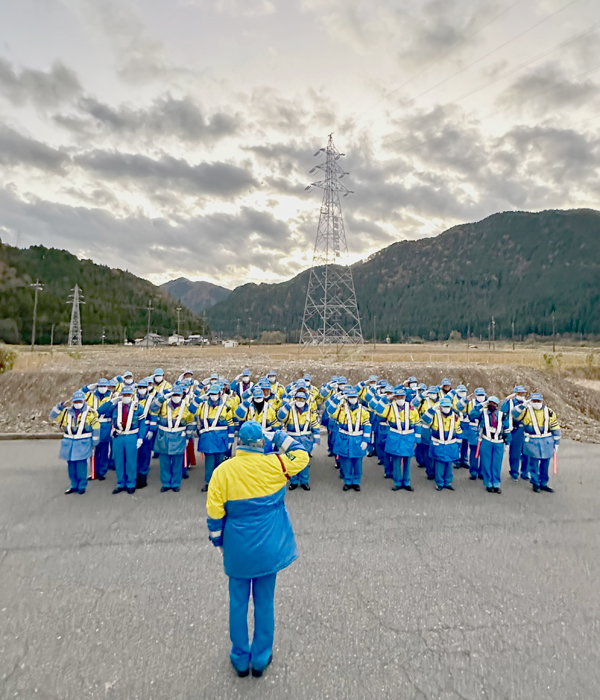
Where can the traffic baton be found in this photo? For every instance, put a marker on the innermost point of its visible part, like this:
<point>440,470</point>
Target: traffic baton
<point>477,450</point>
<point>554,463</point>
<point>93,465</point>
<point>185,459</point>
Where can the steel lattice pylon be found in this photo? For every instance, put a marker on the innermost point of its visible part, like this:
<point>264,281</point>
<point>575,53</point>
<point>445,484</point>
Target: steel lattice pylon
<point>75,326</point>
<point>331,312</point>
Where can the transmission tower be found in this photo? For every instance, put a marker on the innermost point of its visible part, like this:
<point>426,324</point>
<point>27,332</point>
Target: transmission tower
<point>331,312</point>
<point>75,328</point>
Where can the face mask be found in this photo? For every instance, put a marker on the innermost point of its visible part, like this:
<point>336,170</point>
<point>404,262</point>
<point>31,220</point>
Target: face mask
<point>400,402</point>
<point>127,400</point>
<point>78,406</point>
<point>536,405</point>
<point>102,390</point>
<point>245,380</point>
<point>413,385</point>
<point>446,410</point>
<point>301,403</point>
<point>520,398</point>
<point>129,381</point>
<point>142,393</point>
<point>480,399</point>
<point>462,394</point>
<point>259,400</point>
<point>353,402</point>
<point>446,390</point>
<point>272,380</point>
<point>433,397</point>
<point>213,381</point>
<point>334,385</point>
<point>214,398</point>
<point>176,400</point>
<point>158,380</point>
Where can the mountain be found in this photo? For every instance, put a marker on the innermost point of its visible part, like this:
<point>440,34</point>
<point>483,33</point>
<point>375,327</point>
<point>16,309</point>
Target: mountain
<point>196,296</point>
<point>514,266</point>
<point>114,300</point>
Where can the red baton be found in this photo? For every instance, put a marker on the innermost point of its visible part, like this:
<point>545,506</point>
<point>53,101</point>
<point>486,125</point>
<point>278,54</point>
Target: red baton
<point>477,450</point>
<point>554,462</point>
<point>93,465</point>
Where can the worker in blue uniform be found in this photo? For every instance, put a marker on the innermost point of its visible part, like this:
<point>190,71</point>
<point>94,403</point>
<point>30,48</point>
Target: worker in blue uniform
<point>81,433</point>
<point>494,434</point>
<point>300,420</point>
<point>445,435</point>
<point>542,438</point>
<point>174,421</point>
<point>128,431</point>
<point>248,519</point>
<point>242,384</point>
<point>401,419</point>
<point>460,405</point>
<point>518,462</point>
<point>352,438</point>
<point>144,454</point>
<point>429,400</point>
<point>478,397</point>
<point>95,395</point>
<point>216,429</point>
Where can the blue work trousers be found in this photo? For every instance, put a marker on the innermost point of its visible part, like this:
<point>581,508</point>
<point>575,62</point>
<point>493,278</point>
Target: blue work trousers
<point>351,468</point>
<point>443,473</point>
<point>144,457</point>
<point>78,474</point>
<point>330,441</point>
<point>491,455</point>
<point>538,471</point>
<point>474,465</point>
<point>429,461</point>
<point>263,594</point>
<point>124,448</point>
<point>464,453</point>
<point>171,470</point>
<point>211,462</point>
<point>101,458</point>
<point>301,477</point>
<point>400,470</point>
<point>516,459</point>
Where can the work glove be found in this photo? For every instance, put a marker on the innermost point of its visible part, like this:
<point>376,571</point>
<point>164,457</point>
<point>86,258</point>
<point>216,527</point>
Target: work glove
<point>363,446</point>
<point>279,437</point>
<point>91,387</point>
<point>115,399</point>
<point>318,440</point>
<point>149,436</point>
<point>139,443</point>
<point>556,447</point>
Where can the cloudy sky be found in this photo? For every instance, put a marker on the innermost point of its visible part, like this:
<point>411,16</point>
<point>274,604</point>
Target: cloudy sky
<point>174,137</point>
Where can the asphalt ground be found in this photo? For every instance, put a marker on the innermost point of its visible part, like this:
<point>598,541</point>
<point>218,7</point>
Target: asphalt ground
<point>447,596</point>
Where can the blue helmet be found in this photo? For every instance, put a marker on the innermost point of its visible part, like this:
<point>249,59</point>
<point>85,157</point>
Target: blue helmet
<point>446,382</point>
<point>446,402</point>
<point>78,396</point>
<point>143,382</point>
<point>399,390</point>
<point>127,391</point>
<point>342,380</point>
<point>177,389</point>
<point>433,389</point>
<point>307,377</point>
<point>537,396</point>
<point>461,389</point>
<point>422,386</point>
<point>251,433</point>
<point>493,399</point>
<point>159,372</point>
<point>271,373</point>
<point>372,379</point>
<point>257,392</point>
<point>112,382</point>
<point>102,382</point>
<point>352,393</point>
<point>519,389</point>
<point>246,372</point>
<point>412,380</point>
<point>215,389</point>
<point>480,391</point>
<point>127,374</point>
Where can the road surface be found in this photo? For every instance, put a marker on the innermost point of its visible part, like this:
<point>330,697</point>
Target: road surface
<point>448,596</point>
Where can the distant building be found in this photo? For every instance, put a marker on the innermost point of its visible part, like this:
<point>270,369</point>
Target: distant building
<point>230,343</point>
<point>176,339</point>
<point>151,340</point>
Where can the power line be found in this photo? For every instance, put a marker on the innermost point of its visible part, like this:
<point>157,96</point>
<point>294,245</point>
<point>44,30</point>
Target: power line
<point>493,51</point>
<point>437,60</point>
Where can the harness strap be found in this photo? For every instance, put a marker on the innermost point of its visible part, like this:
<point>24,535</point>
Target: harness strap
<point>283,469</point>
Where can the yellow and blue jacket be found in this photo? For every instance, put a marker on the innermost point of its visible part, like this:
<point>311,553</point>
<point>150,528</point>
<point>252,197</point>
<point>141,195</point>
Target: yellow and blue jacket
<point>542,431</point>
<point>174,424</point>
<point>266,416</point>
<point>246,510</point>
<point>81,431</point>
<point>445,433</point>
<point>353,428</point>
<point>215,426</point>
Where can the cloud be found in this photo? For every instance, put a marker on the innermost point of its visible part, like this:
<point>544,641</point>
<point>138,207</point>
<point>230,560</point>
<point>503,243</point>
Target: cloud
<point>218,179</point>
<point>167,117</point>
<point>236,8</point>
<point>18,150</point>
<point>43,89</point>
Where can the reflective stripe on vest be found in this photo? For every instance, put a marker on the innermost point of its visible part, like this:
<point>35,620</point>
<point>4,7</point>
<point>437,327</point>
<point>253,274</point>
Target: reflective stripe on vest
<point>213,425</point>
<point>489,433</point>
<point>82,418</point>
<point>535,425</point>
<point>407,430</point>
<point>352,429</point>
<point>306,429</point>
<point>119,427</point>
<point>170,428</point>
<point>443,440</point>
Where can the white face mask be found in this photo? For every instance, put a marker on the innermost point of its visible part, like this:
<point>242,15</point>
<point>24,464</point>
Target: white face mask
<point>158,379</point>
<point>520,398</point>
<point>433,397</point>
<point>536,405</point>
<point>300,403</point>
<point>102,390</point>
<point>127,400</point>
<point>353,401</point>
<point>78,405</point>
<point>176,400</point>
<point>401,402</point>
<point>245,380</point>
<point>259,399</point>
<point>272,381</point>
<point>214,398</point>
<point>142,391</point>
<point>462,394</point>
<point>480,398</point>
<point>413,385</point>
<point>129,381</point>
<point>446,410</point>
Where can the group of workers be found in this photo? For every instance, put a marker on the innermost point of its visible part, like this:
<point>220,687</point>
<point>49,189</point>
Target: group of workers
<point>120,423</point>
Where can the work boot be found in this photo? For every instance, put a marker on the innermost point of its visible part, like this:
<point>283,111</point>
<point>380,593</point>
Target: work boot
<point>293,487</point>
<point>242,674</point>
<point>438,488</point>
<point>547,489</point>
<point>131,491</point>
<point>119,489</point>
<point>450,488</point>
<point>176,489</point>
<point>396,488</point>
<point>408,488</point>
<point>186,475</point>
<point>142,482</point>
<point>347,487</point>
<point>204,489</point>
<point>473,477</point>
<point>81,492</point>
<point>68,491</point>
<point>356,487</point>
<point>498,489</point>
<point>536,488</point>
<point>164,489</point>
<point>306,487</point>
<point>101,478</point>
<point>256,673</point>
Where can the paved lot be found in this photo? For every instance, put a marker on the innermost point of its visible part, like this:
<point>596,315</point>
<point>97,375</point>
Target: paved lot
<point>428,595</point>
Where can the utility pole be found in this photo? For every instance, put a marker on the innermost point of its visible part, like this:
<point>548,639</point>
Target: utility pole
<point>237,329</point>
<point>489,336</point>
<point>553,334</point>
<point>103,335</point>
<point>75,325</point>
<point>52,337</point>
<point>374,332</point>
<point>37,288</point>
<point>494,333</point>
<point>330,311</point>
<point>149,316</point>
<point>512,324</point>
<point>178,309</point>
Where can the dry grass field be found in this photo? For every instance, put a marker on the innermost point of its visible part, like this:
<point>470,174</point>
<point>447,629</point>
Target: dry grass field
<point>569,377</point>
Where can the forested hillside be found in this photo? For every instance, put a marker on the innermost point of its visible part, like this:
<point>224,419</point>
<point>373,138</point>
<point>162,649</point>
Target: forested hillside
<point>515,266</point>
<point>115,300</point>
<point>196,296</point>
